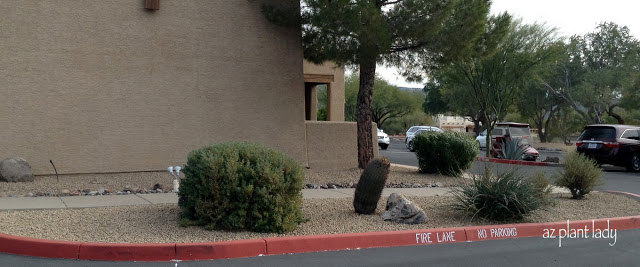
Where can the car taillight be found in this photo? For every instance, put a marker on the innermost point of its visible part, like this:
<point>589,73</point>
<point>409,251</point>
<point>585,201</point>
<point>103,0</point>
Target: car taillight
<point>611,144</point>
<point>578,143</point>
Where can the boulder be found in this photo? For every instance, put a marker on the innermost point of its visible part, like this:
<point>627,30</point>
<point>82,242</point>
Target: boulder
<point>552,159</point>
<point>399,209</point>
<point>15,170</point>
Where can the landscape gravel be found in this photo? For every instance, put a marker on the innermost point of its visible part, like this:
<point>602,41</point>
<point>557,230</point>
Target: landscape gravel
<point>158,223</point>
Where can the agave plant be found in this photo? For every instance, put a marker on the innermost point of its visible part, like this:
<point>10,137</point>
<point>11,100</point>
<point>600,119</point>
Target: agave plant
<point>511,149</point>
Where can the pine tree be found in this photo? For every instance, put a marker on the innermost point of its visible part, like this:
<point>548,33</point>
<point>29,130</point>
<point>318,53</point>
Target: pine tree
<point>415,35</point>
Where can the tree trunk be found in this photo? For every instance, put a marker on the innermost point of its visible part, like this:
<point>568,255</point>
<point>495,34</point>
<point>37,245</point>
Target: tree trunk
<point>363,107</point>
<point>487,142</point>
<point>476,126</point>
<point>615,115</point>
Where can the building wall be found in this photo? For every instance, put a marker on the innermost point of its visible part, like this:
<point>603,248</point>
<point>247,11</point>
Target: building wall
<point>107,86</point>
<point>334,145</point>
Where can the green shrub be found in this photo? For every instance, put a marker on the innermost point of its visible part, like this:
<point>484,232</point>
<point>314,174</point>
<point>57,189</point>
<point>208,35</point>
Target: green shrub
<point>370,186</point>
<point>511,149</point>
<point>241,186</point>
<point>448,153</point>
<point>541,186</point>
<point>501,197</point>
<point>580,175</point>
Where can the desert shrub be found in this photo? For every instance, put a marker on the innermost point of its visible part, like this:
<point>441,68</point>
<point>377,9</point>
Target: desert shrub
<point>505,196</point>
<point>580,175</point>
<point>241,186</point>
<point>541,186</point>
<point>448,153</point>
<point>370,186</point>
<point>511,149</point>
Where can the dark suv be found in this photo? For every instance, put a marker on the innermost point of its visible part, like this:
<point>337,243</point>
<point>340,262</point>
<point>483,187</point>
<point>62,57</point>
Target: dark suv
<point>611,144</point>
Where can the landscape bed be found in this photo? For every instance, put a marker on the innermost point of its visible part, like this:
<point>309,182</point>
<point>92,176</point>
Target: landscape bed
<point>158,223</point>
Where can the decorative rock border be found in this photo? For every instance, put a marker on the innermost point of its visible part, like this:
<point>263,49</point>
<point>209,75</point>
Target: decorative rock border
<point>517,162</point>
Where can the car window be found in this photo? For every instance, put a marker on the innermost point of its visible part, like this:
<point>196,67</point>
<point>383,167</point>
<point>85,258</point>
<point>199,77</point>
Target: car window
<point>631,134</point>
<point>518,131</point>
<point>412,129</point>
<point>598,132</point>
<point>497,132</point>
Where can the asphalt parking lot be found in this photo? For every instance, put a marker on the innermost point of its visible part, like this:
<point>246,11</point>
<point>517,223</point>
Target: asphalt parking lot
<point>613,178</point>
<point>401,155</point>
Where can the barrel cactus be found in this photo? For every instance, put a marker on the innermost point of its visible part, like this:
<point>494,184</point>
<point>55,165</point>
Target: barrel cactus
<point>370,186</point>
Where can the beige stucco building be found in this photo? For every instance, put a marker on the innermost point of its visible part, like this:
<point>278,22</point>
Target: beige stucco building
<point>109,86</point>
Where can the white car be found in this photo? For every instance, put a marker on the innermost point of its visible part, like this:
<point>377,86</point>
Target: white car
<point>413,131</point>
<point>481,139</point>
<point>512,129</point>
<point>383,139</point>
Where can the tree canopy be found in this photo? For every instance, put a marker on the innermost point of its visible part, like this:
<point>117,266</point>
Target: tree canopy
<point>417,35</point>
<point>600,72</point>
<point>502,60</point>
<point>389,102</point>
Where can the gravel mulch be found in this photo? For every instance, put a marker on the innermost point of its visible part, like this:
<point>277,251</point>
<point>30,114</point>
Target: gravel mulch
<point>158,223</point>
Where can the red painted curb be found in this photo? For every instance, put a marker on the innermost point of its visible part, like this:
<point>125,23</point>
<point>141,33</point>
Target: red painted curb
<point>28,246</point>
<point>313,243</point>
<point>590,226</point>
<point>299,244</point>
<point>624,193</point>
<point>127,252</point>
<point>515,162</point>
<point>221,250</point>
<point>493,232</point>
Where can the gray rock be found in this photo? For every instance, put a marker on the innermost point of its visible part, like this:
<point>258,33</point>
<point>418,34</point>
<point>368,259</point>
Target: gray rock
<point>127,189</point>
<point>159,190</point>
<point>552,160</point>
<point>15,170</point>
<point>65,192</point>
<point>438,184</point>
<point>399,209</point>
<point>92,193</point>
<point>101,191</point>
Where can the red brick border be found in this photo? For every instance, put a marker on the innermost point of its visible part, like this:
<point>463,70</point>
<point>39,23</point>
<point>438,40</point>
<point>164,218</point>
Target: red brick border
<point>508,161</point>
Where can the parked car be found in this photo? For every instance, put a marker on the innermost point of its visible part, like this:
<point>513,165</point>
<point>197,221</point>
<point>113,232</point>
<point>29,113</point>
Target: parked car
<point>412,132</point>
<point>481,139</point>
<point>383,139</point>
<point>613,144</point>
<point>509,130</point>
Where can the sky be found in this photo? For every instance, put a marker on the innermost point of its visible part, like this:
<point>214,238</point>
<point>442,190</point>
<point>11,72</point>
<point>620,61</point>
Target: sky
<point>568,16</point>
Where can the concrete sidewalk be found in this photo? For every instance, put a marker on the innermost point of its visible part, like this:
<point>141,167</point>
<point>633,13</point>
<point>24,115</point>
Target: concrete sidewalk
<point>76,202</point>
